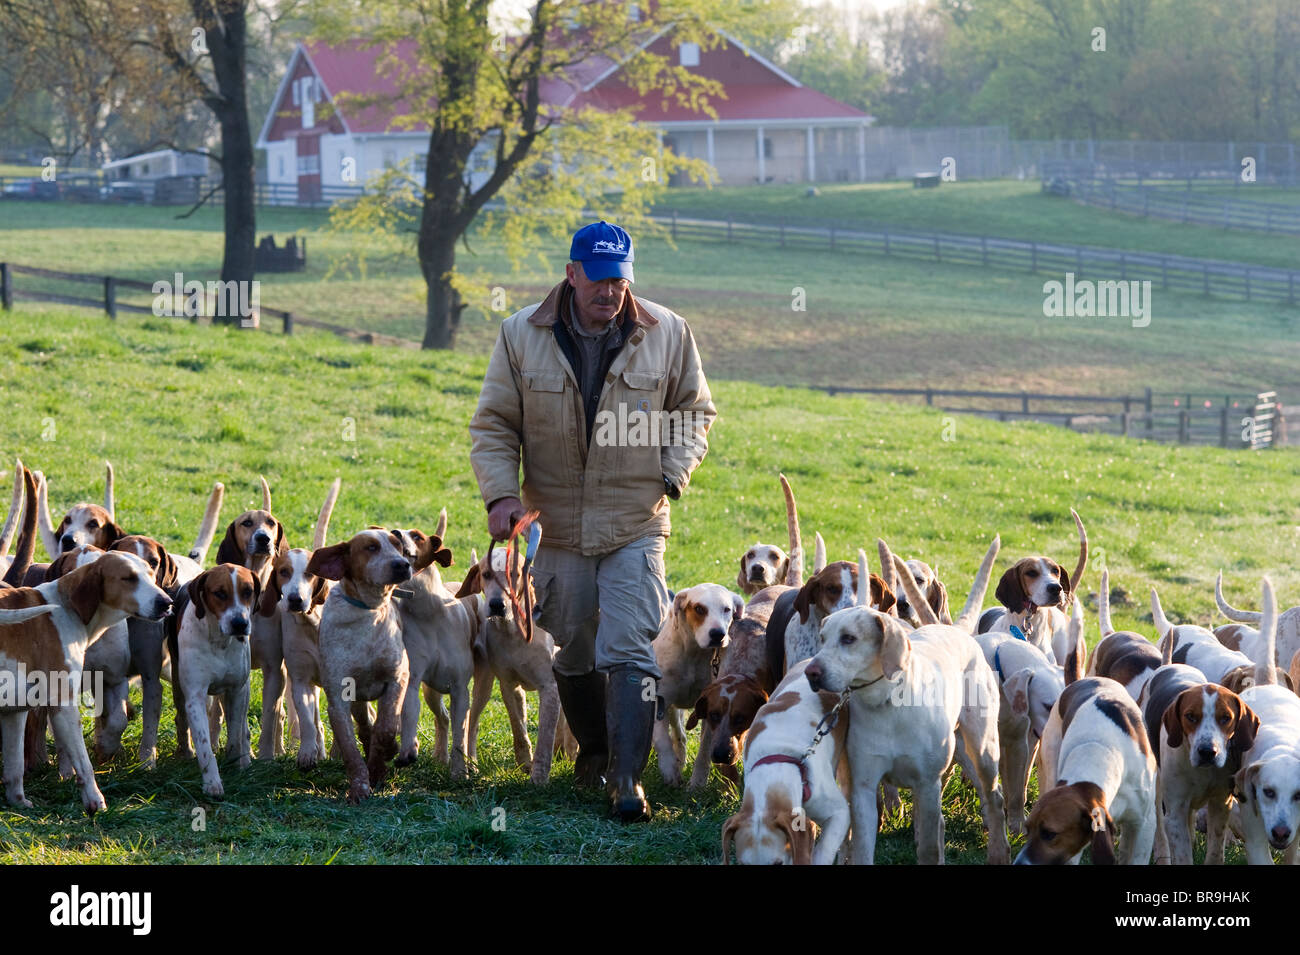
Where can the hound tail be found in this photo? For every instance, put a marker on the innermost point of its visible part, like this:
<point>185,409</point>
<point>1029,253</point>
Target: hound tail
<point>1264,672</point>
<point>819,554</point>
<point>1163,627</point>
<point>108,491</point>
<point>43,521</point>
<point>266,494</point>
<point>27,538</point>
<point>440,531</point>
<point>208,528</point>
<point>887,565</point>
<point>970,614</point>
<point>1231,612</point>
<point>10,617</point>
<point>1103,604</point>
<point>326,511</point>
<point>794,572</point>
<point>917,599</point>
<point>1082,565</point>
<point>15,506</point>
<point>1074,662</point>
<point>864,580</point>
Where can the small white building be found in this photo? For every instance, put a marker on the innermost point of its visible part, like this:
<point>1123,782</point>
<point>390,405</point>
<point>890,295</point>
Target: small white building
<point>144,170</point>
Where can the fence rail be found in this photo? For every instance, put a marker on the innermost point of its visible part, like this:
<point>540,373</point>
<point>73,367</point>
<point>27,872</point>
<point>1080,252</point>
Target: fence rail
<point>1164,270</point>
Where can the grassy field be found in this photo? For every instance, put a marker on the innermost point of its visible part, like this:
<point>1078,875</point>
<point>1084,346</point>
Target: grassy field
<point>175,406</point>
<point>868,320</point>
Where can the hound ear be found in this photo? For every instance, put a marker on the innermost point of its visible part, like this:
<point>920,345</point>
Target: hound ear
<point>1067,588</point>
<point>700,712</point>
<point>1016,690</point>
<point>168,570</point>
<point>270,596</point>
<point>1103,836</point>
<point>319,591</point>
<point>895,648</point>
<point>1009,593</point>
<point>782,571</point>
<point>1172,720</point>
<point>738,605</point>
<point>114,532</point>
<point>886,600</point>
<point>728,834</point>
<point>741,582</point>
<point>1244,731</point>
<point>795,825</point>
<point>680,601</point>
<point>471,584</point>
<point>938,600</point>
<point>443,555</point>
<point>84,595</point>
<point>280,545</point>
<point>257,589</point>
<point>58,531</point>
<point>230,552</point>
<point>195,590</point>
<point>1243,784</point>
<point>330,562</point>
<point>806,596</point>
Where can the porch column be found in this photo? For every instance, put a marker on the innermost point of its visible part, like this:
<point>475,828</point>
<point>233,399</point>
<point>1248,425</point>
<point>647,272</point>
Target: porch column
<point>708,145</point>
<point>762,160</point>
<point>862,153</point>
<point>812,156</point>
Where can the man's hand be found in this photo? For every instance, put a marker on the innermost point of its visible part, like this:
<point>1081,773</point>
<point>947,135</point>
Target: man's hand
<point>503,515</point>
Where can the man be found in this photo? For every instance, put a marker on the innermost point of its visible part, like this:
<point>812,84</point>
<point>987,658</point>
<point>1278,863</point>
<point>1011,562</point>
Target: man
<point>579,385</point>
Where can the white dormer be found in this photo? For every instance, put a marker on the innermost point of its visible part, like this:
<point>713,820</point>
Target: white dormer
<point>689,54</point>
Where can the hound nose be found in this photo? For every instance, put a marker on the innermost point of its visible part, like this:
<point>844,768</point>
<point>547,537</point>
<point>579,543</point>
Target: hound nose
<point>401,570</point>
<point>756,572</point>
<point>496,607</point>
<point>295,602</point>
<point>1054,590</point>
<point>162,606</point>
<point>716,636</point>
<point>815,675</point>
<point>239,626</point>
<point>1206,754</point>
<point>724,754</point>
<point>261,543</point>
<point>902,605</point>
<point>68,542</point>
<point>1280,834</point>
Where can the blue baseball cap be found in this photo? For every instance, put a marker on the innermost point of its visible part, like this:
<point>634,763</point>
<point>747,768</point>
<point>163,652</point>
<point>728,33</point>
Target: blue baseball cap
<point>604,250</point>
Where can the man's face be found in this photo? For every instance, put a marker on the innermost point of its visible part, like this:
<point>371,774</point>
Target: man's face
<point>598,302</point>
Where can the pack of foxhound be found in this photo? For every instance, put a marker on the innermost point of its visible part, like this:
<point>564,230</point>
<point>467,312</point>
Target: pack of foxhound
<point>816,699</point>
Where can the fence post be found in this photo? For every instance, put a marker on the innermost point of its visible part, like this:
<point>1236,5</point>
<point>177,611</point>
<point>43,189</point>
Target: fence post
<point>674,225</point>
<point>1124,418</point>
<point>110,296</point>
<point>6,287</point>
<point>1223,427</point>
<point>886,242</point>
<point>1150,425</point>
<point>929,396</point>
<point>937,256</point>
<point>1184,422</point>
<point>288,323</point>
<point>1024,402</point>
<point>1033,256</point>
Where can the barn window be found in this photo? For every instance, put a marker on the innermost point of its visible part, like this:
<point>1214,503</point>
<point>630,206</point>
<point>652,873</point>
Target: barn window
<point>689,54</point>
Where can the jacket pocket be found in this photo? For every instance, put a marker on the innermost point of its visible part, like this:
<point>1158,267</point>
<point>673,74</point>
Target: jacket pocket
<point>545,381</point>
<point>642,380</point>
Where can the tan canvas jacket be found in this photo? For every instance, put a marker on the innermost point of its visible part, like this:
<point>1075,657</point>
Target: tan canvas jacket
<point>592,499</point>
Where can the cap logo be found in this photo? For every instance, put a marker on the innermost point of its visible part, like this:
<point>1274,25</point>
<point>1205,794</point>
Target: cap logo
<point>605,245</point>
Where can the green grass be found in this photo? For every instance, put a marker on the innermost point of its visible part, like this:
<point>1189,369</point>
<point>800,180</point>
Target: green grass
<point>175,407</point>
<point>870,320</point>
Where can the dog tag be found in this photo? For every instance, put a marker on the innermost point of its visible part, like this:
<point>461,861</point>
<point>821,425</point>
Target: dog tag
<point>399,592</point>
<point>1018,633</point>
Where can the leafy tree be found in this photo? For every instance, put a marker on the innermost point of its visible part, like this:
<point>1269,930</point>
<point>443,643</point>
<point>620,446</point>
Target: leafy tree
<point>478,82</point>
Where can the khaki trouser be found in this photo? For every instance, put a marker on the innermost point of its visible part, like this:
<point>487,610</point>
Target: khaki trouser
<point>603,610</point>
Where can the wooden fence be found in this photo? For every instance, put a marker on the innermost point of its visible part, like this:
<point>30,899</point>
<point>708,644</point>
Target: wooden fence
<point>1165,271</point>
<point>1190,208</point>
<point>109,287</point>
<point>1236,421</point>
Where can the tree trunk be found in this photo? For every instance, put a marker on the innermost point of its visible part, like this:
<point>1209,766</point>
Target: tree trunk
<point>228,48</point>
<point>443,304</point>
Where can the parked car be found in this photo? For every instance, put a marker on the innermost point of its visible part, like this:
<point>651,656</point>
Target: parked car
<point>30,189</point>
<point>122,192</point>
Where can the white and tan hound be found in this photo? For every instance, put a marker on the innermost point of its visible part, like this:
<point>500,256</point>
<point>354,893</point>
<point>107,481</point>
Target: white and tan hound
<point>766,565</point>
<point>1196,646</point>
<point>1246,638</point>
<point>1034,592</point>
<point>46,630</point>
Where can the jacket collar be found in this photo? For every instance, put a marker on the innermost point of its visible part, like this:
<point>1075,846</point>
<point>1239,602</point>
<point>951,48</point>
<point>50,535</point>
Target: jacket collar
<point>561,296</point>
